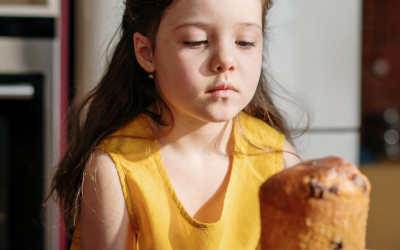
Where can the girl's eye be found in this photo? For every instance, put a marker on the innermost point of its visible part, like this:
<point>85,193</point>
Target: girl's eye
<point>244,44</point>
<point>195,44</point>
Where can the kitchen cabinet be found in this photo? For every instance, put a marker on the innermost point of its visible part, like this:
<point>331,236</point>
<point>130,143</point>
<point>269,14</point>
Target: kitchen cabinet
<point>384,218</point>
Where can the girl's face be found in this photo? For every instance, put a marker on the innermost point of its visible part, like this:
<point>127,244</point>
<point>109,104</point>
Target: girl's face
<point>208,57</point>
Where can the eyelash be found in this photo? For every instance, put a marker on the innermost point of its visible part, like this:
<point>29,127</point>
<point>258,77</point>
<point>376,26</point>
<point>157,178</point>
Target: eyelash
<point>245,45</point>
<point>195,44</point>
<point>242,44</point>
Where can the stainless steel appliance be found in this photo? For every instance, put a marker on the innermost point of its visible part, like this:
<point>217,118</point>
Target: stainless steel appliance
<point>29,131</point>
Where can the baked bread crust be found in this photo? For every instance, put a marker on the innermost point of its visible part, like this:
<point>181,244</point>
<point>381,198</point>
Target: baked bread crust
<point>319,204</point>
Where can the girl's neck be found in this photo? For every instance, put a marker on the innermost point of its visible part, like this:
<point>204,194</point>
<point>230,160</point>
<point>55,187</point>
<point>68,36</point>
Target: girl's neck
<point>189,134</point>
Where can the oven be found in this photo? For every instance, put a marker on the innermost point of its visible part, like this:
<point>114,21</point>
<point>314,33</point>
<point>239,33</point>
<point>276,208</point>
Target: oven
<point>29,132</point>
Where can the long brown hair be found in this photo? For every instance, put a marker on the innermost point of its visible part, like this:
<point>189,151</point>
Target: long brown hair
<point>124,92</point>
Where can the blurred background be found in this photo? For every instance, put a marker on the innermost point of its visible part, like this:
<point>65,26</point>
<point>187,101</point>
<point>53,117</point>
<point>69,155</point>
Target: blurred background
<point>340,59</point>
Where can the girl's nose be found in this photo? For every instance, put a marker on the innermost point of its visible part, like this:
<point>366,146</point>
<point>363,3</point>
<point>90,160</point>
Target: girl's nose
<point>223,60</point>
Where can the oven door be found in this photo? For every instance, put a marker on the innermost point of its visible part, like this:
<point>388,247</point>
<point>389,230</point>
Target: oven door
<point>21,161</point>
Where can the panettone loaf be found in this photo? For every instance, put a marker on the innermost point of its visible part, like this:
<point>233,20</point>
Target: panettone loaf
<point>317,205</point>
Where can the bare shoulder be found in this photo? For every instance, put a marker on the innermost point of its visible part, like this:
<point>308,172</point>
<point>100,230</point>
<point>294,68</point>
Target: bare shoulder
<point>104,216</point>
<point>100,176</point>
<point>290,156</point>
<point>101,165</point>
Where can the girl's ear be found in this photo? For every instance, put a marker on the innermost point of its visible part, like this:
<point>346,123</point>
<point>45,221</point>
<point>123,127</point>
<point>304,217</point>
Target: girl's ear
<point>143,52</point>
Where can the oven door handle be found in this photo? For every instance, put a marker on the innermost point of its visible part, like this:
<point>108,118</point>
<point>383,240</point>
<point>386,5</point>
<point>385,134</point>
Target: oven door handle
<point>16,91</point>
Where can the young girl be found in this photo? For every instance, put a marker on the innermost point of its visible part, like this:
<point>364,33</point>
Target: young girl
<point>170,149</point>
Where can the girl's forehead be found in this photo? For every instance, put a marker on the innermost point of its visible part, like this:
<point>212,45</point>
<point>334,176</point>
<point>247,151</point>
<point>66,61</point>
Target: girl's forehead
<point>214,11</point>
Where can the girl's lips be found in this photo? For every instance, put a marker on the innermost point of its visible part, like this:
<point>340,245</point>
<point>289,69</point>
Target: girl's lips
<point>222,90</point>
<point>222,87</point>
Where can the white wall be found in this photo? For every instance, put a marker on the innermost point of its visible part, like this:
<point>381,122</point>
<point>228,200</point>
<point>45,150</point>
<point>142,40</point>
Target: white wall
<point>96,23</point>
<point>315,50</point>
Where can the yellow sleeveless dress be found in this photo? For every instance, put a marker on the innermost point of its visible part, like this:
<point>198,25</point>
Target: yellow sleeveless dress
<point>157,215</point>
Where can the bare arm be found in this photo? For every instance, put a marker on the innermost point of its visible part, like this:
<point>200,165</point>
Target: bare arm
<point>104,217</point>
<point>290,157</point>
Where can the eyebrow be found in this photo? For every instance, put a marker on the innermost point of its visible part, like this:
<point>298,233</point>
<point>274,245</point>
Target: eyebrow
<point>197,24</point>
<point>202,25</point>
<point>250,24</point>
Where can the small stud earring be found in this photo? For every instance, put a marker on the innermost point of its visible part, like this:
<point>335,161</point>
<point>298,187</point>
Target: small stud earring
<point>151,76</point>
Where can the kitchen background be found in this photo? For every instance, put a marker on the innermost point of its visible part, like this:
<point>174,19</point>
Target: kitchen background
<point>340,59</point>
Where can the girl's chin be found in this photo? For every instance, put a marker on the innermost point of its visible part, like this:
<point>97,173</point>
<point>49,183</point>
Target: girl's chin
<point>220,115</point>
